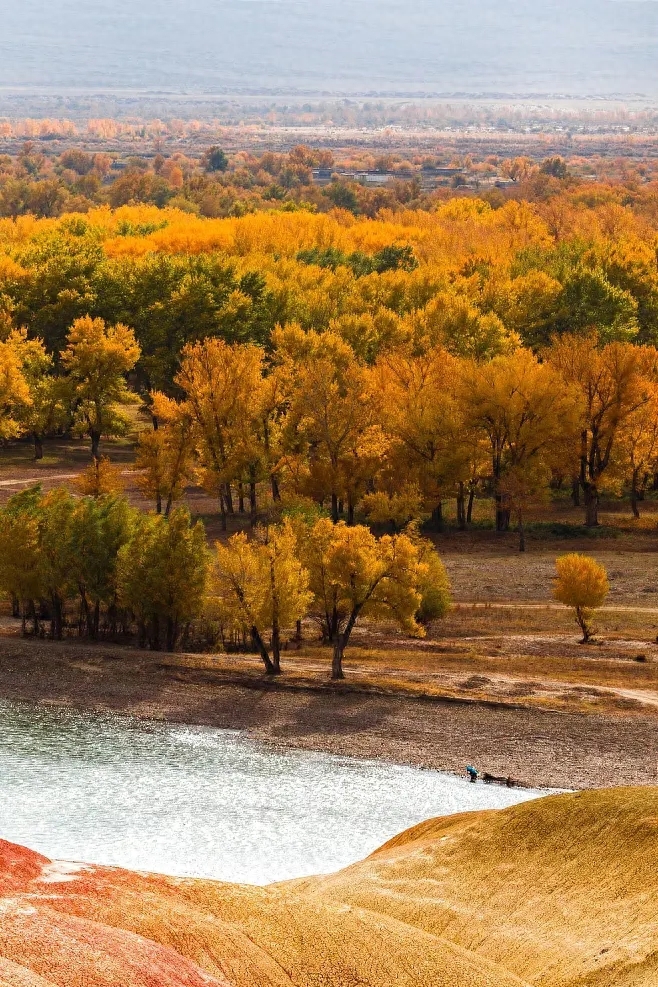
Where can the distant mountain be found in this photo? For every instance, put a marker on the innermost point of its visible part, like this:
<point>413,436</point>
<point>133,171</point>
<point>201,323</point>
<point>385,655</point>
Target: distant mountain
<point>515,47</point>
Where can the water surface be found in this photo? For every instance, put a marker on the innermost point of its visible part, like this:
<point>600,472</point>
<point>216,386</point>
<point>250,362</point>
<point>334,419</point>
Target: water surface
<point>200,802</point>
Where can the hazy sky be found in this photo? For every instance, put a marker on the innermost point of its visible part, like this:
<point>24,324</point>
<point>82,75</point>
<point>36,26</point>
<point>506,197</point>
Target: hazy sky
<point>572,47</point>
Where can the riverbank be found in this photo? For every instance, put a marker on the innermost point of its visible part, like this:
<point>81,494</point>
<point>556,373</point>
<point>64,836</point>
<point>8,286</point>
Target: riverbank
<point>541,747</point>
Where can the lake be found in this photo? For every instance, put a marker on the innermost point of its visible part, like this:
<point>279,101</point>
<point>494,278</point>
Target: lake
<point>199,802</point>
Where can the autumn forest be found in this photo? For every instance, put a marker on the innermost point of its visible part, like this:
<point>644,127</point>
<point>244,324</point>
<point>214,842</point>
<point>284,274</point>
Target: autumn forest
<point>345,384</point>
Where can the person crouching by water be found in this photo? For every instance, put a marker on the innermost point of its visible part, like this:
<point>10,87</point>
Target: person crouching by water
<point>472,773</point>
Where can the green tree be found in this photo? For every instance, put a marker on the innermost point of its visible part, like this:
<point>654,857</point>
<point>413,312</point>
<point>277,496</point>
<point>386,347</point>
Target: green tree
<point>20,570</point>
<point>162,574</point>
<point>215,159</point>
<point>56,560</point>
<point>100,527</point>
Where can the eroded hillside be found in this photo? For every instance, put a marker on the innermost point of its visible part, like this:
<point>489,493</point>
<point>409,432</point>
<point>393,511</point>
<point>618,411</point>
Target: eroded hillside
<point>555,892</point>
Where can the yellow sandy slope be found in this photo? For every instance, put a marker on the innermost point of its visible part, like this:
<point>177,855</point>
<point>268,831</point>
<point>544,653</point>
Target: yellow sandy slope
<point>561,891</point>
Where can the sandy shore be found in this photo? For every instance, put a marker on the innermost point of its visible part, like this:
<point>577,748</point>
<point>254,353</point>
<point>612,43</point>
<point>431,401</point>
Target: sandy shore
<point>540,748</point>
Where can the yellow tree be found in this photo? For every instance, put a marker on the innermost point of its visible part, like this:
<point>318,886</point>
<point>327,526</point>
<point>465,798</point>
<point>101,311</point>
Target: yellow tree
<point>581,584</point>
<point>614,382</point>
<point>261,585</point>
<point>354,575</point>
<point>14,390</point>
<point>521,407</point>
<point>97,358</point>
<point>332,422</point>
<point>100,478</point>
<point>433,584</point>
<point>637,447</point>
<point>429,443</point>
<point>165,456</point>
<point>48,404</point>
<point>223,387</point>
<point>523,485</point>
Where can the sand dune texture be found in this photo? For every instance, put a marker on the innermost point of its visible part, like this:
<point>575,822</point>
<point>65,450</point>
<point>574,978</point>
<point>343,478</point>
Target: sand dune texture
<point>557,892</point>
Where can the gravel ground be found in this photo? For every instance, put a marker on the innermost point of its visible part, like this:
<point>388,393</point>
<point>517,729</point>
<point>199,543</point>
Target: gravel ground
<point>540,748</point>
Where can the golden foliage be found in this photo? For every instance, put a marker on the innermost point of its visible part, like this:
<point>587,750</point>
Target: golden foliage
<point>100,478</point>
<point>582,584</point>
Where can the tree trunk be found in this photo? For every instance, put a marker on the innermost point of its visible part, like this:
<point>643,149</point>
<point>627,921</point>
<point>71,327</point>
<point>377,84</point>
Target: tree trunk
<point>57,619</point>
<point>591,506</point>
<point>634,496</point>
<point>158,503</point>
<point>274,483</point>
<point>337,659</point>
<point>461,508</point>
<point>276,647</point>
<point>172,633</point>
<point>222,509</point>
<point>229,499</point>
<point>471,500</point>
<point>155,633</point>
<point>437,517</point>
<point>38,446</point>
<point>350,512</point>
<point>83,618</point>
<point>253,504</point>
<point>95,442</point>
<point>340,643</point>
<point>260,644</point>
<point>502,514</point>
<point>240,497</point>
<point>334,508</point>
<point>298,631</point>
<point>521,534</point>
<point>575,491</point>
<point>581,617</point>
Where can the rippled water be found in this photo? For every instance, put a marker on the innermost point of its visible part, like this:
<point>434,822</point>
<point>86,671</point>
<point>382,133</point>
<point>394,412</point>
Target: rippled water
<point>205,803</point>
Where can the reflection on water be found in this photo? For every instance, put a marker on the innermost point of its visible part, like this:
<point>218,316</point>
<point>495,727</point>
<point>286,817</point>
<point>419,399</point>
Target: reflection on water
<point>204,803</point>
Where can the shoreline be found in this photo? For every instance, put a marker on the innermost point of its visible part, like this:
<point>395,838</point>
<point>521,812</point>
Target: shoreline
<point>541,748</point>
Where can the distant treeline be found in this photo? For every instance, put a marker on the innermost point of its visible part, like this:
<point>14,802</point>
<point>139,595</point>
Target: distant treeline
<point>43,180</point>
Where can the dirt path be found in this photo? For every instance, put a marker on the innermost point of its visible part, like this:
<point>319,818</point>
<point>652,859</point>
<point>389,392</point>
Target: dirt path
<point>551,606</point>
<point>26,481</point>
<point>539,747</point>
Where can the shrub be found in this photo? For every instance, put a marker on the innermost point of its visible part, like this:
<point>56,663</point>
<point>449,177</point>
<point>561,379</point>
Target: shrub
<point>581,584</point>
